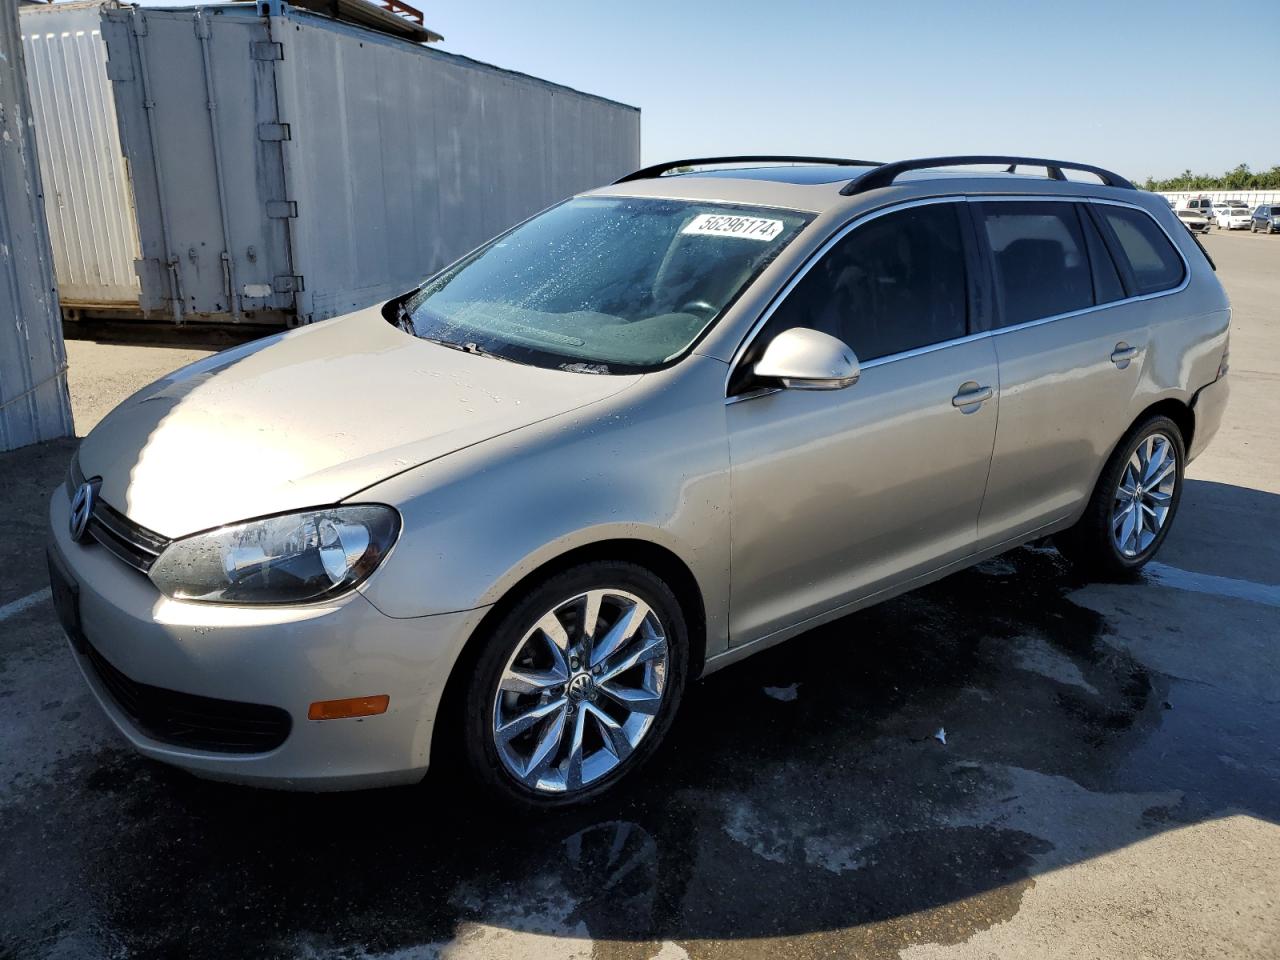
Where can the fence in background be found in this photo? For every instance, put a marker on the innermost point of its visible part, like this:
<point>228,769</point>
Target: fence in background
<point>1250,198</point>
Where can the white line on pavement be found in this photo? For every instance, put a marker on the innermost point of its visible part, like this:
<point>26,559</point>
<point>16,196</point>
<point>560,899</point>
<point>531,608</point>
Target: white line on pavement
<point>17,606</point>
<point>1179,579</point>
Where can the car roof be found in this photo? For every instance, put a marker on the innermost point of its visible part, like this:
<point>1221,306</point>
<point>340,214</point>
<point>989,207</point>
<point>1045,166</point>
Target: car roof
<point>831,186</point>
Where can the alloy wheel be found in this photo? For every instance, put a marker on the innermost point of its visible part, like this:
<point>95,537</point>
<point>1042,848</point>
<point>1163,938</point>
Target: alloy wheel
<point>1144,495</point>
<point>581,690</point>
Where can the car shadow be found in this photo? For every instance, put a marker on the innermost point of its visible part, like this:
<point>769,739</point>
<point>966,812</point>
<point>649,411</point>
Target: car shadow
<point>900,776</point>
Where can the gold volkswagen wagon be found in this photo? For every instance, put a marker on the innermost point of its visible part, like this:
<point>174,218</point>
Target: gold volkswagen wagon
<point>654,429</point>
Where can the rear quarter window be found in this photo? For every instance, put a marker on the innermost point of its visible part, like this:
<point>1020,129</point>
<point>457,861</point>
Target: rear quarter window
<point>1153,260</point>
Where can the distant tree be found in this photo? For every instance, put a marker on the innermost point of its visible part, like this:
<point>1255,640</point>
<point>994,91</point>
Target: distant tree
<point>1238,178</point>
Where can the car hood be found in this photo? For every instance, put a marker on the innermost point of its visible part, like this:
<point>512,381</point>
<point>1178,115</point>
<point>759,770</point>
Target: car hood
<point>309,418</point>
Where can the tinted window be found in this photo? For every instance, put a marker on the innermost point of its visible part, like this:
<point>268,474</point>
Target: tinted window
<point>893,284</point>
<point>1041,266</point>
<point>1152,259</point>
<point>1106,279</point>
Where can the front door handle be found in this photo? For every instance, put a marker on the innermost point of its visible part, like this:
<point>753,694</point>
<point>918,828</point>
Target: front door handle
<point>971,395</point>
<point>1122,354</point>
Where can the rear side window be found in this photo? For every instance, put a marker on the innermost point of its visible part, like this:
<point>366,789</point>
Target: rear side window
<point>1154,262</point>
<point>1041,266</point>
<point>893,284</point>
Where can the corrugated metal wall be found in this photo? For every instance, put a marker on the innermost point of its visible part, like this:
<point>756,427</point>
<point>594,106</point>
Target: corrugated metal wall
<point>298,166</point>
<point>89,205</point>
<point>33,386</point>
<point>402,158</point>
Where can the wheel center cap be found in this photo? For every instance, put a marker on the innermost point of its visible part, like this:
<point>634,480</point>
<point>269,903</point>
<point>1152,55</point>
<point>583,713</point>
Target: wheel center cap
<point>582,686</point>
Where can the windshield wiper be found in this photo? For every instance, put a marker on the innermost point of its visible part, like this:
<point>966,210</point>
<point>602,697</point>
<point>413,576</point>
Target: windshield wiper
<point>472,348</point>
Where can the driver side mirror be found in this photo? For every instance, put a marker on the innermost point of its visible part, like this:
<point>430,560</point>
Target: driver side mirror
<point>806,359</point>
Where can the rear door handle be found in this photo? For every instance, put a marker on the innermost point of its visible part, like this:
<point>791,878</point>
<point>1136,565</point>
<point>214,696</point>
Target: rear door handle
<point>971,395</point>
<point>1122,354</point>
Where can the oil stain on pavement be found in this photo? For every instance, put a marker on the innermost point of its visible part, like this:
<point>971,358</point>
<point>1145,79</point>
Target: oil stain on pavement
<point>828,822</point>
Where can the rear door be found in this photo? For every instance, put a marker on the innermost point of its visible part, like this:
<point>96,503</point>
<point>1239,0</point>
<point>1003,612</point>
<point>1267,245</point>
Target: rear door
<point>840,494</point>
<point>1074,284</point>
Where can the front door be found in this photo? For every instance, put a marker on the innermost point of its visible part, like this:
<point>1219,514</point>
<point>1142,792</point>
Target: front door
<point>838,495</point>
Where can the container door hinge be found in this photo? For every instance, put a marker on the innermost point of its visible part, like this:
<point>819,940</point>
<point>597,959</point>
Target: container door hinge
<point>273,131</point>
<point>268,50</point>
<point>282,209</point>
<point>287,284</point>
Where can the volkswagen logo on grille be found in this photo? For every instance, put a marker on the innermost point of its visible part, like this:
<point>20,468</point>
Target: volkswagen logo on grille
<point>82,509</point>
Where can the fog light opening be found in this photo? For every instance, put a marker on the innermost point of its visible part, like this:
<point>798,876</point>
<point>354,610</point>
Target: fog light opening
<point>349,708</point>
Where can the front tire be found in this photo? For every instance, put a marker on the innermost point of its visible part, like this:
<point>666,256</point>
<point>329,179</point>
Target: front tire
<point>576,686</point>
<point>1133,503</point>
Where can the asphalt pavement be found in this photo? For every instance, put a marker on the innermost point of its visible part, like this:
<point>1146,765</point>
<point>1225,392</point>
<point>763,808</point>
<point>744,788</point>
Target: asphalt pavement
<point>1009,763</point>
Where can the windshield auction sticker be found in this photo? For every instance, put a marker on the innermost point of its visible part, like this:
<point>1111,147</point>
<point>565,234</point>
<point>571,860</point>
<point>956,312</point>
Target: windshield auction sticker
<point>724,225</point>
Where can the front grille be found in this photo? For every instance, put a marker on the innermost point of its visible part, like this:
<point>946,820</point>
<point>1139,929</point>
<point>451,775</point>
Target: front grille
<point>131,542</point>
<point>187,720</point>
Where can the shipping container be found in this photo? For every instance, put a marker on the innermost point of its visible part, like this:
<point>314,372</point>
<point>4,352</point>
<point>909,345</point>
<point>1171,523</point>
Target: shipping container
<point>34,405</point>
<point>263,163</point>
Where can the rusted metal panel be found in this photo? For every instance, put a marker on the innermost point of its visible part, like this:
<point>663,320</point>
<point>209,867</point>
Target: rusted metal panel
<point>34,404</point>
<point>89,203</point>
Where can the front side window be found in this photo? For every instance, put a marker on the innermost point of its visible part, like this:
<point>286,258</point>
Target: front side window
<point>1153,261</point>
<point>893,284</point>
<point>602,284</point>
<point>1041,266</point>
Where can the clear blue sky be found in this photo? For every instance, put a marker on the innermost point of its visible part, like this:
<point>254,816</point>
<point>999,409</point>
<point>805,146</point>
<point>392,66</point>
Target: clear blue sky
<point>1140,86</point>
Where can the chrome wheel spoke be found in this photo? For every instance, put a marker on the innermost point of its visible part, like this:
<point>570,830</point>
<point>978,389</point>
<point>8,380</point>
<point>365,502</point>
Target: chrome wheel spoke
<point>634,699</point>
<point>573,762</point>
<point>614,736</point>
<point>516,680</point>
<point>529,719</point>
<point>591,613</point>
<point>1157,454</point>
<point>623,630</point>
<point>557,640</point>
<point>545,749</point>
<point>1164,471</point>
<point>653,648</point>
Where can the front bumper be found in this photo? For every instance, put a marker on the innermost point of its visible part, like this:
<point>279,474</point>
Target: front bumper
<point>285,657</point>
<point>1208,406</point>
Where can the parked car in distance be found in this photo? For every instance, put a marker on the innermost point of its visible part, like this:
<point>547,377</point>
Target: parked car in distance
<point>1266,217</point>
<point>1200,205</point>
<point>498,524</point>
<point>1232,218</point>
<point>1193,221</point>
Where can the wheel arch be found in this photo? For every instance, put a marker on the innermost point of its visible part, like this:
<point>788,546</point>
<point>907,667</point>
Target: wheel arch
<point>654,557</point>
<point>1176,410</point>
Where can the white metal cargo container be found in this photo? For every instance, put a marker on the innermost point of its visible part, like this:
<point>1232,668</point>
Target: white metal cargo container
<point>33,367</point>
<point>268,164</point>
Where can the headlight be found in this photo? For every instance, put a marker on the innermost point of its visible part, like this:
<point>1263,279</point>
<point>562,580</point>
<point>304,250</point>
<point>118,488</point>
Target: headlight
<point>288,559</point>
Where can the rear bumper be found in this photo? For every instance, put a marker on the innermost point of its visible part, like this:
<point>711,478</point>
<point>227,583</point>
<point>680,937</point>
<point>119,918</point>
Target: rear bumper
<point>274,657</point>
<point>1208,406</point>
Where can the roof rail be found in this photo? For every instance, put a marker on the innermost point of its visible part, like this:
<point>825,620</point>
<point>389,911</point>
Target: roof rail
<point>658,169</point>
<point>885,174</point>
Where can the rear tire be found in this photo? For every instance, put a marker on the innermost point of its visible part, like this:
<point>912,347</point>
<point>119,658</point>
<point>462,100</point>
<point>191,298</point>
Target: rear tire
<point>1133,503</point>
<point>584,723</point>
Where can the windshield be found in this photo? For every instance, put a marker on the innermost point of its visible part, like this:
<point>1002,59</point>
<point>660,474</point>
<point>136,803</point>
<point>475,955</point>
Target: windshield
<point>602,284</point>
